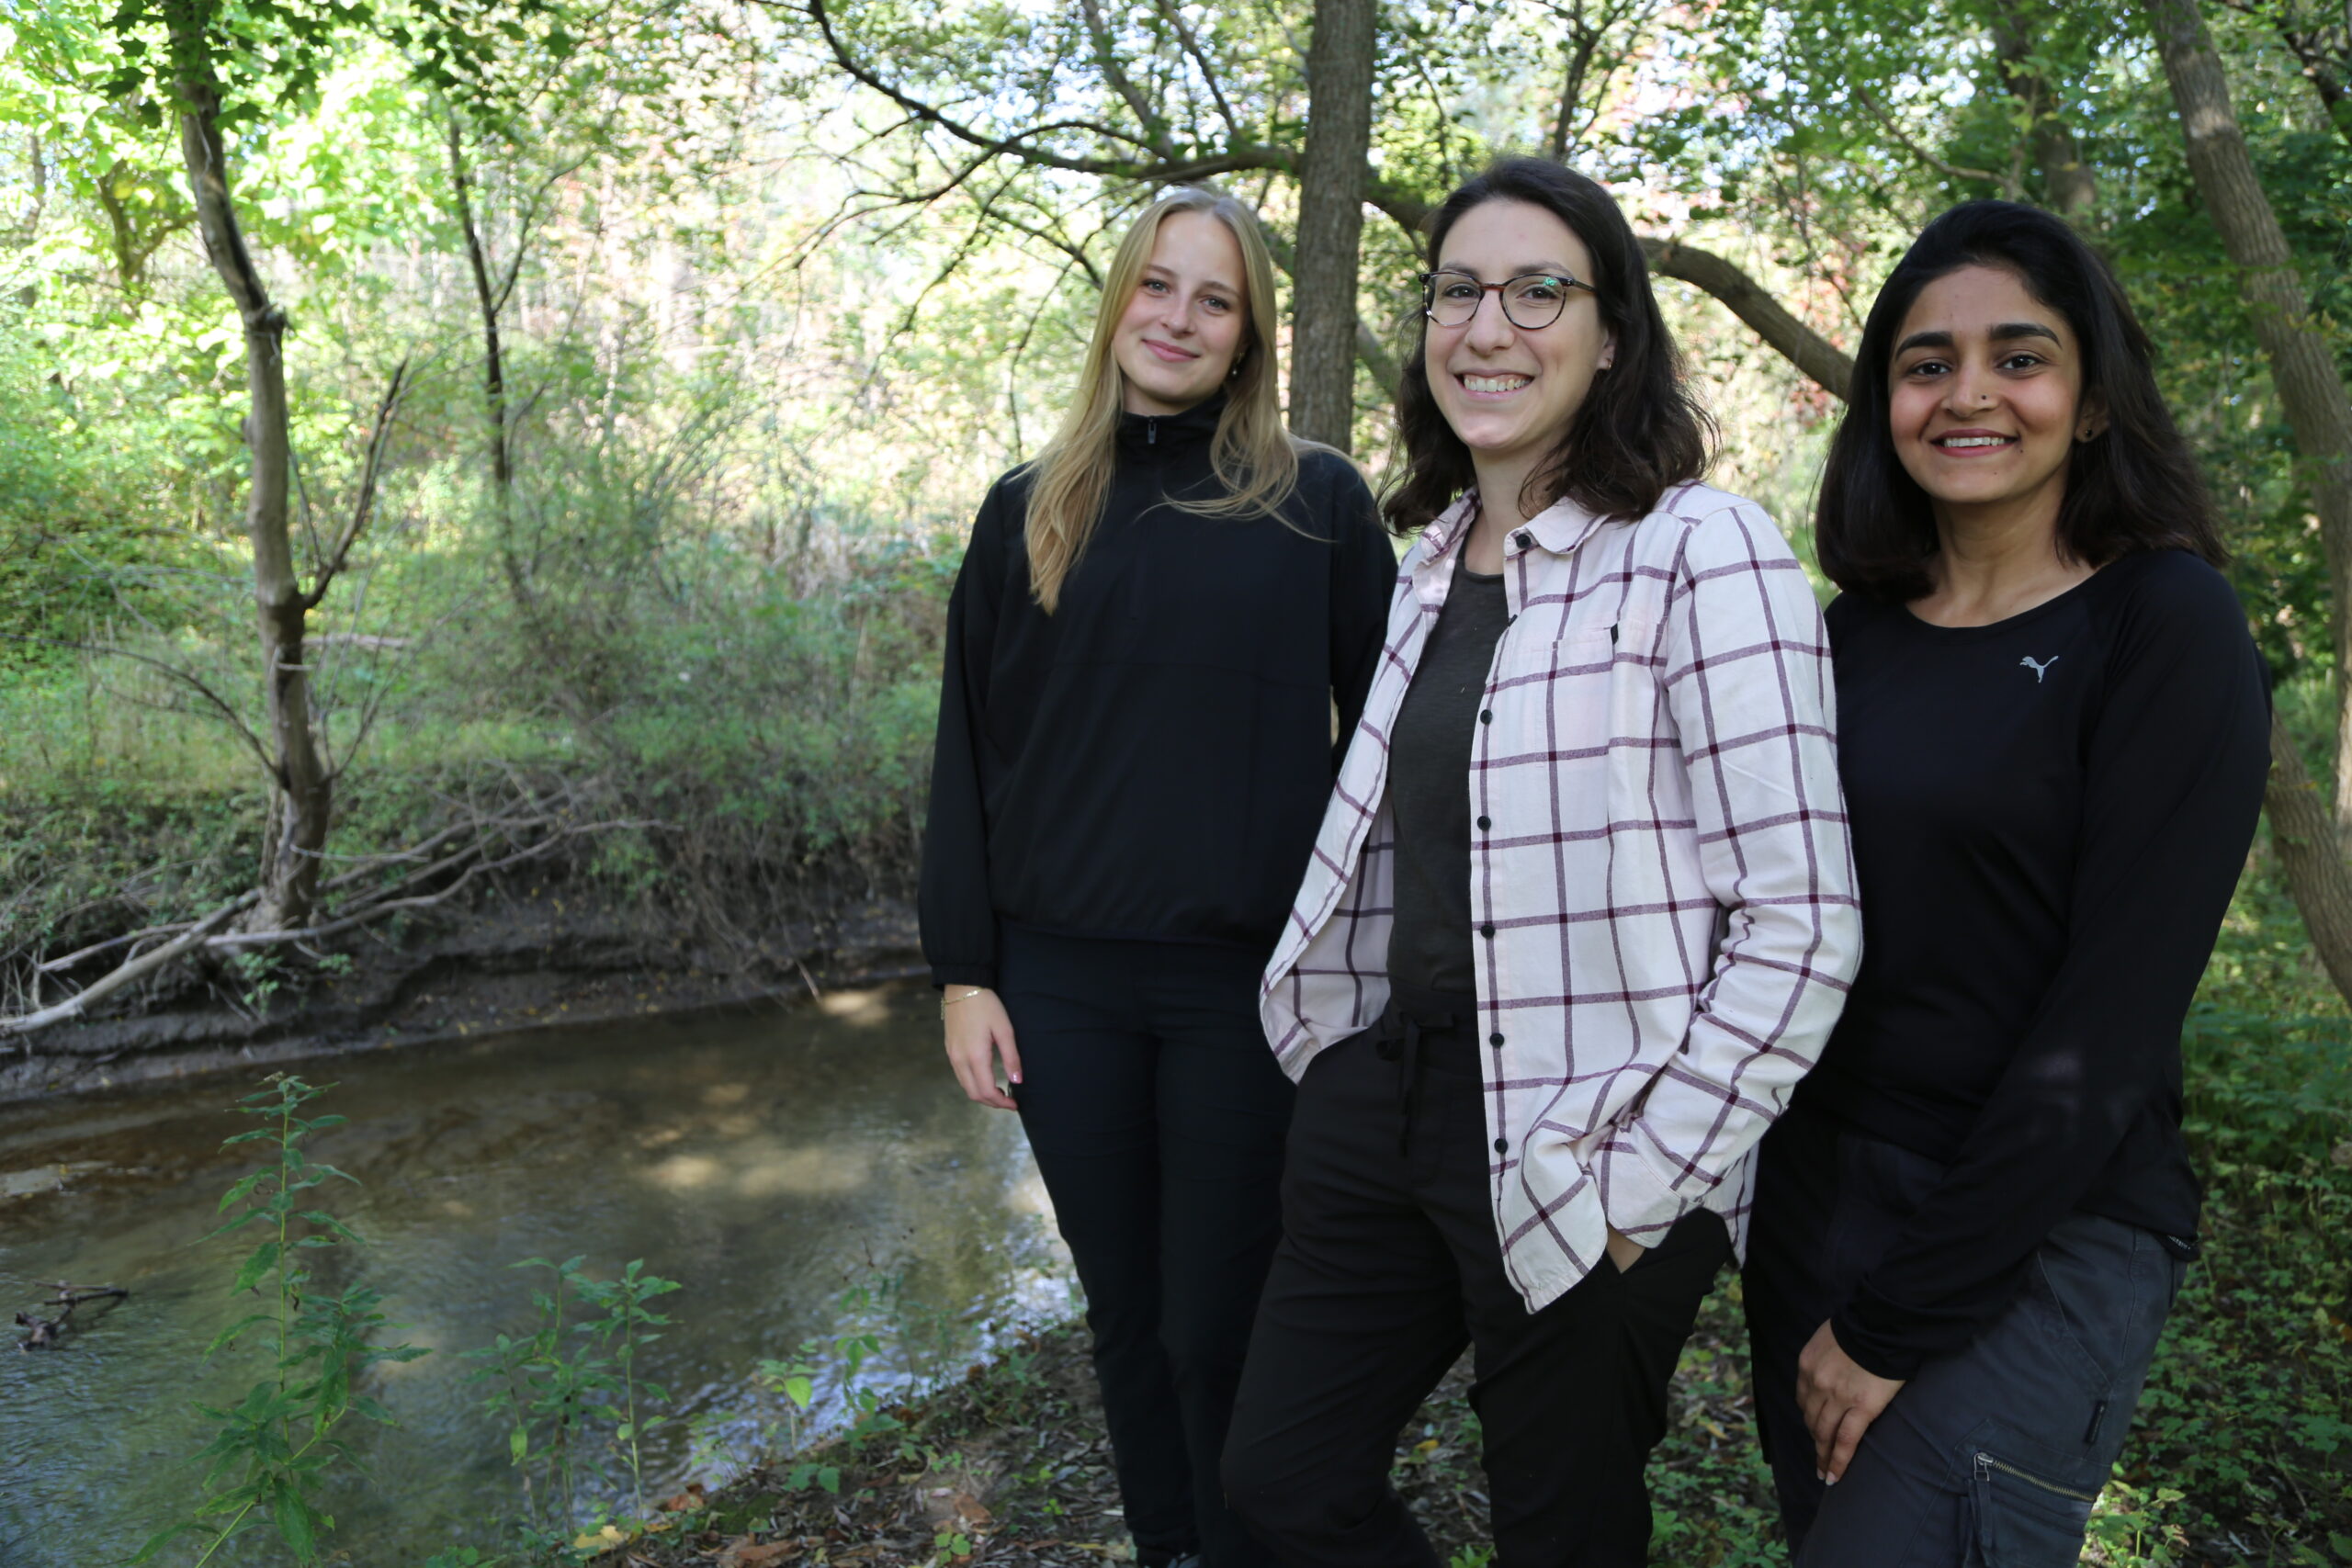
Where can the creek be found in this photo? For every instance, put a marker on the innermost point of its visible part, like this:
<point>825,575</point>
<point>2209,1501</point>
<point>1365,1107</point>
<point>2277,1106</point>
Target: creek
<point>804,1173</point>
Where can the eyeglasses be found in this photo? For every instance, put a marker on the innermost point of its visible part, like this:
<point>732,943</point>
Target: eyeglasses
<point>1531,302</point>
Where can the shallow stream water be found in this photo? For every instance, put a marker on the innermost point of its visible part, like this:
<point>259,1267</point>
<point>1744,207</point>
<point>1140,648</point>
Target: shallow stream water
<point>803,1173</point>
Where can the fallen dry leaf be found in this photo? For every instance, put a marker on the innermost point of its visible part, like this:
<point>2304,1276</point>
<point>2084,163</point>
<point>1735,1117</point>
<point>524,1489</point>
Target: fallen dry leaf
<point>745,1552</point>
<point>693,1498</point>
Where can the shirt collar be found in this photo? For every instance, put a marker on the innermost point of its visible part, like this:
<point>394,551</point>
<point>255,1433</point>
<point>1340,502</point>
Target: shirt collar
<point>1558,529</point>
<point>1191,427</point>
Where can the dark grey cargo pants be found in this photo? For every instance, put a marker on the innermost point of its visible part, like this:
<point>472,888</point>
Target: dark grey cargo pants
<point>1990,1458</point>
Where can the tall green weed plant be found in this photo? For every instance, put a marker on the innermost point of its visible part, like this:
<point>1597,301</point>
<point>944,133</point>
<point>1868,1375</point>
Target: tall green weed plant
<point>572,1380</point>
<point>272,1451</point>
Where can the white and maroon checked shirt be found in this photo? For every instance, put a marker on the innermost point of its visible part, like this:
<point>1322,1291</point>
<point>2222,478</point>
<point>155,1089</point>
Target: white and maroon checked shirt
<point>1660,876</point>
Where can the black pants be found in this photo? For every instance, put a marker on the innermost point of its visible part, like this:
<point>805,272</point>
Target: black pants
<point>1990,1456</point>
<point>1157,1115</point>
<point>1389,1265</point>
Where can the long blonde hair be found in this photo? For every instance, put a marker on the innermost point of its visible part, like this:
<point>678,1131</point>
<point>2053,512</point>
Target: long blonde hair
<point>1253,455</point>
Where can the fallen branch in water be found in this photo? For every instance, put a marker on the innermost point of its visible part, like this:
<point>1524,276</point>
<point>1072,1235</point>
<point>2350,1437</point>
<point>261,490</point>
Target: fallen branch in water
<point>42,1332</point>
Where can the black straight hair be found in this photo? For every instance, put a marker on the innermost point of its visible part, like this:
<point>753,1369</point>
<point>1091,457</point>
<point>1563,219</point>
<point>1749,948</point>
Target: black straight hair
<point>2133,486</point>
<point>1638,432</point>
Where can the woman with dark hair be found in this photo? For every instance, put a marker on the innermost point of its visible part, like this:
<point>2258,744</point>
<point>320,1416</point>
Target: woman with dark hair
<point>2054,736</point>
<point>1152,625</point>
<point>1578,916</point>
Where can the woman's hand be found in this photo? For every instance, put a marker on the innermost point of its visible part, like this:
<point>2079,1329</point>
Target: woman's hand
<point>1839,1400</point>
<point>1624,1250</point>
<point>978,1032</point>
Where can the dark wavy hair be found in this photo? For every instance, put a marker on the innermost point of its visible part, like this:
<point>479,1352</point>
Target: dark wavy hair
<point>1638,432</point>
<point>2131,487</point>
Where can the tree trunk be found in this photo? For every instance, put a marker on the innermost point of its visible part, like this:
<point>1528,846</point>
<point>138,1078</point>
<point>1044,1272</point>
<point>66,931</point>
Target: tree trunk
<point>2305,837</point>
<point>2069,189</point>
<point>304,793</point>
<point>1330,222</point>
<point>2311,841</point>
<point>489,298</point>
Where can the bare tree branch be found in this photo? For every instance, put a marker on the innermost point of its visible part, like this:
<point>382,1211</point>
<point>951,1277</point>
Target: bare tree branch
<point>212,699</point>
<point>1106,59</point>
<point>146,964</point>
<point>1950,171</point>
<point>1192,50</point>
<point>1806,349</point>
<point>364,504</point>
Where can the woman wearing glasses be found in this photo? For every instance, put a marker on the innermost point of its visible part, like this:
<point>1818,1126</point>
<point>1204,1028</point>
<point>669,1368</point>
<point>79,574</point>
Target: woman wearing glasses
<point>1153,622</point>
<point>1579,915</point>
<point>2054,734</point>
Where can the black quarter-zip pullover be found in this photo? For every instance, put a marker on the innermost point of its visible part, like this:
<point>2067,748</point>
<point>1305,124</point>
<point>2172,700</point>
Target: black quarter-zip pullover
<point>1150,760</point>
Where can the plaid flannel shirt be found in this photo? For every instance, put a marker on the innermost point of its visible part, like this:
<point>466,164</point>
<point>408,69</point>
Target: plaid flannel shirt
<point>1660,877</point>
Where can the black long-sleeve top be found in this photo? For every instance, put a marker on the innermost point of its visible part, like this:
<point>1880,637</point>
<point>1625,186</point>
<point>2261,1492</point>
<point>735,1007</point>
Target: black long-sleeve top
<point>2049,816</point>
<point>1151,760</point>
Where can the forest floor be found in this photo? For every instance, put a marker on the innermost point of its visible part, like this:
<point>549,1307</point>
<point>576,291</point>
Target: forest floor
<point>1009,1469</point>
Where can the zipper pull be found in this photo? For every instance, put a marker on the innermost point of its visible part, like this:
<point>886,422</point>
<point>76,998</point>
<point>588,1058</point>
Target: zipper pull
<point>1151,430</point>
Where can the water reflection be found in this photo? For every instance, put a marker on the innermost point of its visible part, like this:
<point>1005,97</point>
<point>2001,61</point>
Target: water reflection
<point>769,1163</point>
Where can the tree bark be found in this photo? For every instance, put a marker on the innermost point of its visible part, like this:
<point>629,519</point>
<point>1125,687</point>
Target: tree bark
<point>303,802</point>
<point>1827,364</point>
<point>2311,841</point>
<point>489,300</point>
<point>1330,222</point>
<point>2303,835</point>
<point>2069,188</point>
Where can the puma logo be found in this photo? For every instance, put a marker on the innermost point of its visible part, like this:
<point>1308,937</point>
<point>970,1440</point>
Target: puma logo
<point>2041,668</point>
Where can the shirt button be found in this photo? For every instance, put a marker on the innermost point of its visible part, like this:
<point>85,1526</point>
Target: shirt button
<point>1502,1145</point>
<point>1523,540</point>
<point>1485,715</point>
<point>1486,931</point>
<point>1486,822</point>
<point>1494,1039</point>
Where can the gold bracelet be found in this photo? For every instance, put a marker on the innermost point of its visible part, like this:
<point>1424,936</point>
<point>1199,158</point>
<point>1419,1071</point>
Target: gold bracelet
<point>946,1001</point>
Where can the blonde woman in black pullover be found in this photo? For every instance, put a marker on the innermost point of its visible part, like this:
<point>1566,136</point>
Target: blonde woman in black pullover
<point>2052,731</point>
<point>1153,622</point>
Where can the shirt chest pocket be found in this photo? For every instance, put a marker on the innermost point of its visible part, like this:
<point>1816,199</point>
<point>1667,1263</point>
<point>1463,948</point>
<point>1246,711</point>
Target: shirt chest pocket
<point>1552,701</point>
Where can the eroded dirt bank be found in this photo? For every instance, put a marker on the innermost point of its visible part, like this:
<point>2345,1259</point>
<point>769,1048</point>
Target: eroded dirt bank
<point>515,964</point>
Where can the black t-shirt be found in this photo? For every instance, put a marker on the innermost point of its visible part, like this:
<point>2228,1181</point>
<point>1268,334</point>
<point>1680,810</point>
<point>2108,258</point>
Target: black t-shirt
<point>1429,786</point>
<point>2049,816</point>
<point>1153,760</point>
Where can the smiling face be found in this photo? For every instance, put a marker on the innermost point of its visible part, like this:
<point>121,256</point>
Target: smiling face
<point>1187,319</point>
<point>1986,395</point>
<point>1508,392</point>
